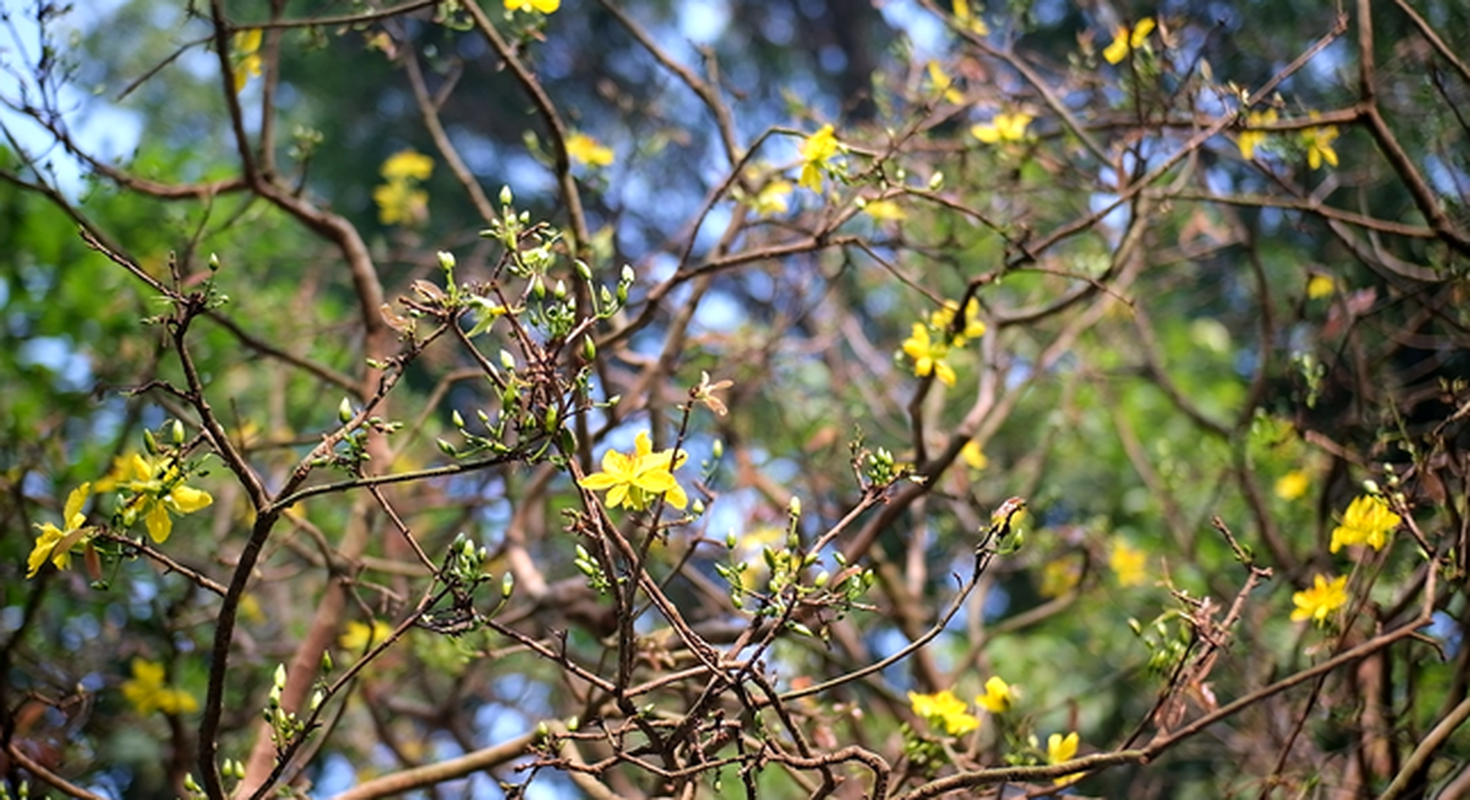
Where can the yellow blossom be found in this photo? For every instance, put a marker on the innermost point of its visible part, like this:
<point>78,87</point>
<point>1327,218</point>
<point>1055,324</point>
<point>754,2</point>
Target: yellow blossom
<point>928,355</point>
<point>942,84</point>
<point>1293,484</point>
<point>817,151</point>
<point>538,6</point>
<point>773,198</point>
<point>1129,563</point>
<point>1126,40</point>
<point>54,544</point>
<point>1060,749</point>
<point>147,692</point>
<point>1059,577</point>
<point>1367,520</point>
<point>943,318</point>
<point>400,204</point>
<point>973,455</point>
<point>584,149</point>
<point>359,636</point>
<point>157,488</point>
<point>884,209</point>
<point>944,710</point>
<point>1320,286</point>
<point>1252,137</point>
<point>998,696</point>
<point>246,45</point>
<point>1318,142</point>
<point>968,19</point>
<point>1320,600</point>
<point>408,165</point>
<point>634,480</point>
<point>1005,127</point>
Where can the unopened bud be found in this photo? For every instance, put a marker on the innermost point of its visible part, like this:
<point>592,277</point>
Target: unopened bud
<point>506,198</point>
<point>446,260</point>
<point>344,410</point>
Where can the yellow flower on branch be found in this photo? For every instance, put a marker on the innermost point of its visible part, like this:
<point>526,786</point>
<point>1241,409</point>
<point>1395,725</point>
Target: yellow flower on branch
<point>998,696</point>
<point>817,152</point>
<point>1318,142</point>
<point>928,355</point>
<point>967,18</point>
<point>147,692</point>
<point>634,480</point>
<point>1005,127</point>
<point>943,318</point>
<point>537,6</point>
<point>1126,40</point>
<point>357,637</point>
<point>973,455</point>
<point>945,711</point>
<point>1060,749</point>
<point>1367,520</point>
<point>1252,137</point>
<point>885,210</point>
<point>773,198</point>
<point>1322,599</point>
<point>942,84</point>
<point>1293,485</point>
<point>54,544</point>
<point>157,488</point>
<point>584,149</point>
<point>1129,563</point>
<point>246,45</point>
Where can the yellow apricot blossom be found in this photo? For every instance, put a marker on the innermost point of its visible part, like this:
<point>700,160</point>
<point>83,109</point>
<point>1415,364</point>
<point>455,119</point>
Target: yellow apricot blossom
<point>1005,127</point>
<point>538,6</point>
<point>973,455</point>
<point>359,636</point>
<point>968,19</point>
<point>407,164</point>
<point>147,693</point>
<point>817,151</point>
<point>54,544</point>
<point>634,480</point>
<point>1322,599</point>
<point>942,84</point>
<point>1318,142</point>
<point>584,149</point>
<point>1368,520</point>
<point>942,318</point>
<point>1252,137</point>
<point>246,45</point>
<point>1126,40</point>
<point>1320,286</point>
<point>998,696</point>
<point>157,490</point>
<point>945,711</point>
<point>1129,563</point>
<point>1060,749</point>
<point>928,355</point>
<point>1293,485</point>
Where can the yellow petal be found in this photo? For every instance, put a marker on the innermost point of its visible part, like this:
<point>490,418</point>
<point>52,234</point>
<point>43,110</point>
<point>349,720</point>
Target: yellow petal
<point>187,499</point>
<point>158,522</point>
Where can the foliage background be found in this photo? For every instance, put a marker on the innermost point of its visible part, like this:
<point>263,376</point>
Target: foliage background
<point>1175,333</point>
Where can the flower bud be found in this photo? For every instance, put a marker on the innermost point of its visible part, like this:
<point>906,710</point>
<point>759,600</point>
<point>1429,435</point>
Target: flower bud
<point>446,260</point>
<point>344,410</point>
<point>506,198</point>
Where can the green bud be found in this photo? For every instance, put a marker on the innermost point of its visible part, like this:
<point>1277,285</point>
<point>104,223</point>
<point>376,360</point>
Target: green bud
<point>730,540</point>
<point>582,269</point>
<point>214,262</point>
<point>795,506</point>
<point>446,448</point>
<point>697,507</point>
<point>538,287</point>
<point>507,360</point>
<point>344,410</point>
<point>280,676</point>
<point>316,699</point>
<point>149,443</point>
<point>176,431</point>
<point>718,448</point>
<point>560,290</point>
<point>628,275</point>
<point>936,181</point>
<point>589,349</point>
<point>1369,485</point>
<point>551,419</point>
<point>607,297</point>
<point>821,579</point>
<point>456,418</point>
<point>446,260</point>
<point>506,198</point>
<point>507,585</point>
<point>574,723</point>
<point>327,661</point>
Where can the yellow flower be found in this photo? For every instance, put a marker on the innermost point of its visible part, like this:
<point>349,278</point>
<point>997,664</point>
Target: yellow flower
<point>359,636</point>
<point>1129,564</point>
<point>1320,286</point>
<point>1367,520</point>
<point>816,151</point>
<point>1126,40</point>
<point>998,696</point>
<point>246,44</point>
<point>145,690</point>
<point>973,456</point>
<point>1320,600</point>
<point>584,149</point>
<point>774,198</point>
<point>54,544</point>
<point>942,84</point>
<point>884,209</point>
<point>1251,138</point>
<point>943,318</point>
<point>633,480</point>
<point>1293,484</point>
<point>969,20</point>
<point>1060,749</point>
<point>1005,127</point>
<point>408,165</point>
<point>944,710</point>
<point>157,488</point>
<point>1318,142</point>
<point>538,6</point>
<point>400,204</point>
<point>928,355</point>
<point>1058,577</point>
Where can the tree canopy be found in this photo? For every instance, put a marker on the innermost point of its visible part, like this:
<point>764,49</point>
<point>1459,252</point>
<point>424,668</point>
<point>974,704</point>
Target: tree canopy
<point>767,399</point>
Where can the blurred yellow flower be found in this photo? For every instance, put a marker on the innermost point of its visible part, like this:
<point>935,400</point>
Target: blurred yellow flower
<point>1005,127</point>
<point>1126,40</point>
<point>584,149</point>
<point>817,151</point>
<point>1060,749</point>
<point>147,693</point>
<point>400,201</point>
<point>1320,600</point>
<point>1367,520</point>
<point>928,355</point>
<point>968,19</point>
<point>884,209</point>
<point>538,6</point>
<point>246,45</point>
<point>1059,577</point>
<point>1293,484</point>
<point>998,696</point>
<point>1129,563</point>
<point>1320,286</point>
<point>942,84</point>
<point>774,198</point>
<point>1251,138</point>
<point>408,165</point>
<point>943,318</point>
<point>944,710</point>
<point>52,544</point>
<point>973,455</point>
<point>357,636</point>
<point>1318,142</point>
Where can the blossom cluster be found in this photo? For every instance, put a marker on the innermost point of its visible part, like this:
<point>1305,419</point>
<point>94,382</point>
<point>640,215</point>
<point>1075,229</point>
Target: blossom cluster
<point>929,343</point>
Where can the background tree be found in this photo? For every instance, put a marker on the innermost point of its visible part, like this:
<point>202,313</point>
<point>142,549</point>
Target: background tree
<point>681,464</point>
